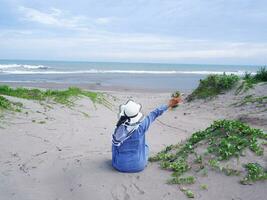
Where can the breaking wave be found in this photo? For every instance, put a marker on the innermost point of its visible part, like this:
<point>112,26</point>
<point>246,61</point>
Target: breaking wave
<point>4,69</point>
<point>21,66</point>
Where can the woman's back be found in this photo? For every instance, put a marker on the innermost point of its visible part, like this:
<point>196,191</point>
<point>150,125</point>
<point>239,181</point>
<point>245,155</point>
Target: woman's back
<point>131,156</point>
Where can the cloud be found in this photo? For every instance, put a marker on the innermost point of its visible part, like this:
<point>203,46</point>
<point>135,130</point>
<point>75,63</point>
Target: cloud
<point>59,18</point>
<point>133,47</point>
<point>173,31</point>
<point>50,18</point>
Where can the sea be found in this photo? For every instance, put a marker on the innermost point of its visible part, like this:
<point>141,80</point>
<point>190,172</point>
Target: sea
<point>148,76</point>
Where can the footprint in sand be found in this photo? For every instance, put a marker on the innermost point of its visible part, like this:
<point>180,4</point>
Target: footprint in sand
<point>123,192</point>
<point>138,189</point>
<point>120,193</point>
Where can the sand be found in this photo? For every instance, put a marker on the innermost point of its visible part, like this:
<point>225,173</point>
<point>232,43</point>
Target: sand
<point>52,152</point>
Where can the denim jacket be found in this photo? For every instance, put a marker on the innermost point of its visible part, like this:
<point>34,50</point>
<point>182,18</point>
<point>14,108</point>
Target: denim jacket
<point>132,155</point>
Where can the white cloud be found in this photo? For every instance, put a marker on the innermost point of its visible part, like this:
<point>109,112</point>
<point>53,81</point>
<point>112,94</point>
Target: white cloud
<point>132,48</point>
<point>60,18</point>
<point>34,15</point>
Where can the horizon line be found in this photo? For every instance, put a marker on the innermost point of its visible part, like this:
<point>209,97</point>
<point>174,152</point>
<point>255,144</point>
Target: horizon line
<point>130,62</point>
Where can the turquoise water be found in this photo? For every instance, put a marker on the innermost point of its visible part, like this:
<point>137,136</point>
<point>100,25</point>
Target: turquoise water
<point>182,77</point>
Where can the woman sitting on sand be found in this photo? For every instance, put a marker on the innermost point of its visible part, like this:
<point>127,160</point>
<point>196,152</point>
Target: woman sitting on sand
<point>129,148</point>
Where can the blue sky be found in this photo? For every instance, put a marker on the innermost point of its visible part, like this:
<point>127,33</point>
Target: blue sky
<point>173,31</point>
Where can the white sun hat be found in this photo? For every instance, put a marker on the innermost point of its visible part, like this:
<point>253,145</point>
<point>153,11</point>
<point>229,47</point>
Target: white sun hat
<point>132,111</point>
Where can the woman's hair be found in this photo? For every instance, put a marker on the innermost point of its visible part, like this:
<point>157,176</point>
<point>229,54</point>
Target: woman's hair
<point>122,120</point>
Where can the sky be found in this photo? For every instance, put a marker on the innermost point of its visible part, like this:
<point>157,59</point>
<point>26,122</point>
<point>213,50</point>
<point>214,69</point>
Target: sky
<point>167,31</point>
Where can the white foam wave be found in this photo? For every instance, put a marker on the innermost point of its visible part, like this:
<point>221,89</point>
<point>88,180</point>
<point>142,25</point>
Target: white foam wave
<point>94,71</point>
<point>9,66</point>
<point>35,67</point>
<point>20,66</point>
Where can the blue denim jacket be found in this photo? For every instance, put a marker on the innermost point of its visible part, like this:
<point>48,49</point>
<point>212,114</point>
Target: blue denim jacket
<point>132,155</point>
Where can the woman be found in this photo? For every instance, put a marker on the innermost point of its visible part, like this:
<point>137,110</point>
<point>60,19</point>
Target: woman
<point>129,149</point>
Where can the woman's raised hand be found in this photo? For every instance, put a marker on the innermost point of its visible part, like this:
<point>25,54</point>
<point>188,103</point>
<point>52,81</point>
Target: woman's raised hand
<point>174,102</point>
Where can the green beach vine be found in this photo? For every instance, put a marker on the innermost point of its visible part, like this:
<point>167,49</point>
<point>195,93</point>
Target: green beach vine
<point>220,142</point>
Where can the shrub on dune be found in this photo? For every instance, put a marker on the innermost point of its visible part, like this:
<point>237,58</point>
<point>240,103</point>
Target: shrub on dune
<point>250,80</point>
<point>213,85</point>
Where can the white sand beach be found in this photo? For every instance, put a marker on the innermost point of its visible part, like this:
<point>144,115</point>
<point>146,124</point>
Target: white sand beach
<point>52,152</point>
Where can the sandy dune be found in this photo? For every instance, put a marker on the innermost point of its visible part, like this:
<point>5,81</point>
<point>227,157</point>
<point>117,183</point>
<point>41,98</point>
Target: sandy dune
<point>51,152</point>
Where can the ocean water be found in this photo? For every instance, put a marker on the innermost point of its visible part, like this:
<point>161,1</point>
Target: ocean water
<point>169,77</point>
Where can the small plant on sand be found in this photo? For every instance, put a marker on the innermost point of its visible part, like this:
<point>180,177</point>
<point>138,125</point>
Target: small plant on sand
<point>255,172</point>
<point>223,140</point>
<point>189,193</point>
<point>215,164</point>
<point>179,166</point>
<point>203,187</point>
<point>228,171</point>
<point>213,85</point>
<point>182,180</point>
<point>6,104</point>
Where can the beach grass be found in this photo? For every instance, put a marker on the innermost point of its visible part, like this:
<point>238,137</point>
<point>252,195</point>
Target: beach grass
<point>211,149</point>
<point>6,104</point>
<point>213,85</point>
<point>261,75</point>
<point>66,97</point>
<point>250,80</point>
<point>261,100</point>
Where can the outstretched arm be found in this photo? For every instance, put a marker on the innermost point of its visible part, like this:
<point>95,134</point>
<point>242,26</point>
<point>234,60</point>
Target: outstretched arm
<point>151,117</point>
<point>156,113</point>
